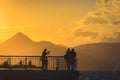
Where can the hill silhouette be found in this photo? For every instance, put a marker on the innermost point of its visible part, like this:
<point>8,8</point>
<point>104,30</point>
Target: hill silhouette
<point>19,40</point>
<point>97,56</point>
<point>20,44</point>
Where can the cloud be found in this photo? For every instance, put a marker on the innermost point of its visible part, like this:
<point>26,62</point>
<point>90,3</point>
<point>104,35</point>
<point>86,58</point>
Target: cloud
<point>114,38</point>
<point>95,20</point>
<point>108,12</point>
<point>105,1</point>
<point>83,33</point>
<point>115,22</point>
<point>3,27</point>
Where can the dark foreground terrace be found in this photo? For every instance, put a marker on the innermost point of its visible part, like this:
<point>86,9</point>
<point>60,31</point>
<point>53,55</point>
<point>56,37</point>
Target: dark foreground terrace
<point>29,68</point>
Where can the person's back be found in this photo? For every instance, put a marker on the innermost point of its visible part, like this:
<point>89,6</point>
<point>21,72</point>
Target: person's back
<point>67,58</point>
<point>67,55</point>
<point>73,58</point>
<point>73,54</point>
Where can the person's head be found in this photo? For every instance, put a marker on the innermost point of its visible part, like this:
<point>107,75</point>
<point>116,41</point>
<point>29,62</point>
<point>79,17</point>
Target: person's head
<point>68,49</point>
<point>72,50</point>
<point>45,49</point>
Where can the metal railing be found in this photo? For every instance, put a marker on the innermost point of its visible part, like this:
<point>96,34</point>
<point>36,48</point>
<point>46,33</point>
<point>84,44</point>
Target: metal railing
<point>31,62</point>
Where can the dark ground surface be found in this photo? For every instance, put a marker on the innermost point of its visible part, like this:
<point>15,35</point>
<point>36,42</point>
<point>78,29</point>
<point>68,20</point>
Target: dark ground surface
<point>58,75</point>
<point>99,75</point>
<point>38,75</point>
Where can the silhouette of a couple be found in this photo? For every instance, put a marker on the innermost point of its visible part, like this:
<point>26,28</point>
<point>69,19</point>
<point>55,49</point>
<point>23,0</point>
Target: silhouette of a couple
<point>70,58</point>
<point>44,59</point>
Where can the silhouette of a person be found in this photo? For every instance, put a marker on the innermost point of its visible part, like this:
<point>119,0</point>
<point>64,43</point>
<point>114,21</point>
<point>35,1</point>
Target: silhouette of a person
<point>67,58</point>
<point>73,59</point>
<point>70,58</point>
<point>44,59</point>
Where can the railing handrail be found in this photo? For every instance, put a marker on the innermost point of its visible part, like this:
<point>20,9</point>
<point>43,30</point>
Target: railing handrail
<point>25,56</point>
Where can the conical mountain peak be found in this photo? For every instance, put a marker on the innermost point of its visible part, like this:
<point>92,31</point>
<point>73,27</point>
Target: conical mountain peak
<point>20,34</point>
<point>19,38</point>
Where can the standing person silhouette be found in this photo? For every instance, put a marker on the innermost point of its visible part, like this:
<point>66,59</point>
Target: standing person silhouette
<point>73,59</point>
<point>70,58</point>
<point>44,59</point>
<point>67,58</point>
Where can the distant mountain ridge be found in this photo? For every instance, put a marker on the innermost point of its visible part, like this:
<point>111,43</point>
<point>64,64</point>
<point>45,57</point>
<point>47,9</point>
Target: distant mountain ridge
<point>20,44</point>
<point>104,56</point>
<point>96,56</point>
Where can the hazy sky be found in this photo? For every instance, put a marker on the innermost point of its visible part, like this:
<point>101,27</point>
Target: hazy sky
<point>67,22</point>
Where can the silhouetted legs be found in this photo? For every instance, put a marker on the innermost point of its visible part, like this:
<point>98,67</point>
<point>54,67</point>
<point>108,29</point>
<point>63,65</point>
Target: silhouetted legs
<point>44,65</point>
<point>73,65</point>
<point>70,66</point>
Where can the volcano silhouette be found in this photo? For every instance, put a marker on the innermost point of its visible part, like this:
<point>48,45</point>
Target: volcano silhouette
<point>18,39</point>
<point>20,44</point>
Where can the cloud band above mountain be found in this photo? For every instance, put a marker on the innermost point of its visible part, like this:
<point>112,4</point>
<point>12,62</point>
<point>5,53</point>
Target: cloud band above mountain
<point>108,12</point>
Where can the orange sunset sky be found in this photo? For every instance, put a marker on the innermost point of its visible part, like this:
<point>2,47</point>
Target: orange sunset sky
<point>67,22</point>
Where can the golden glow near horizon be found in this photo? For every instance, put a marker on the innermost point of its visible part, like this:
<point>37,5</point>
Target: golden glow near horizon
<point>67,22</point>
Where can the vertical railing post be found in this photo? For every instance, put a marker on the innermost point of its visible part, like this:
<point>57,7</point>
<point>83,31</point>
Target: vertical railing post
<point>9,63</point>
<point>25,62</point>
<point>38,61</point>
<point>57,64</point>
<point>53,64</point>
